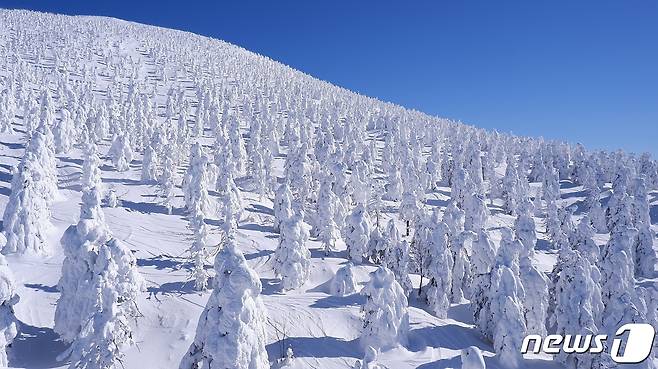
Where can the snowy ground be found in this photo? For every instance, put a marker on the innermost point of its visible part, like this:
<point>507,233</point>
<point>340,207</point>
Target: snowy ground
<point>322,329</point>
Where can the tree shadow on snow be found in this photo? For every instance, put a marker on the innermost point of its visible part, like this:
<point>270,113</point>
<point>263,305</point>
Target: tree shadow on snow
<point>41,287</point>
<point>161,262</point>
<point>317,347</point>
<point>256,208</point>
<point>150,208</point>
<point>172,288</point>
<point>36,347</point>
<point>449,336</point>
<point>331,302</point>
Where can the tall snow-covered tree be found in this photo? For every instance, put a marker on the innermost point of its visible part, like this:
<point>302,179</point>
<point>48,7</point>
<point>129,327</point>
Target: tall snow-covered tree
<point>99,288</point>
<point>292,257</point>
<point>34,185</point>
<point>8,321</point>
<point>231,329</point>
<point>357,233</point>
<point>386,319</point>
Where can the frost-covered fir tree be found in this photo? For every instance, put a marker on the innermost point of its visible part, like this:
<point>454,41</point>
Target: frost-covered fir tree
<point>195,183</point>
<point>167,180</point>
<point>34,185</point>
<point>397,258</point>
<point>91,173</point>
<point>108,299</point>
<point>475,212</point>
<point>149,164</point>
<point>282,205</point>
<point>472,358</point>
<point>645,255</point>
<point>575,299</point>
<point>535,304</point>
<point>343,282</point>
<point>292,259</point>
<point>198,250</point>
<point>386,319</point>
<point>439,271</point>
<point>506,306</point>
<point>121,153</point>
<point>64,133</point>
<point>357,233</point>
<point>482,262</point>
<point>231,329</point>
<point>8,322</point>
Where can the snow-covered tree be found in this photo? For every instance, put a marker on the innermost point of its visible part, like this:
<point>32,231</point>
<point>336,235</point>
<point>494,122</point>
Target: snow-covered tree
<point>357,233</point>
<point>149,164</point>
<point>482,261</point>
<point>8,298</point>
<point>397,257</point>
<point>575,299</point>
<point>472,358</point>
<point>535,304</point>
<point>64,133</point>
<point>343,282</point>
<point>231,329</point>
<point>99,288</point>
<point>475,212</point>
<point>282,205</point>
<point>91,173</point>
<point>167,179</point>
<point>121,153</point>
<point>386,319</point>
<point>198,250</point>
<point>34,185</point>
<point>506,306</point>
<point>439,271</point>
<point>195,183</point>
<point>292,257</point>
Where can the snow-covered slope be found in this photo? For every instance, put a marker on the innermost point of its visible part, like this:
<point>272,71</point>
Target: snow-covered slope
<point>120,79</point>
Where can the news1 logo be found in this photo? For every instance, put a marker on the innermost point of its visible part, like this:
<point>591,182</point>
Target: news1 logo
<point>637,348</point>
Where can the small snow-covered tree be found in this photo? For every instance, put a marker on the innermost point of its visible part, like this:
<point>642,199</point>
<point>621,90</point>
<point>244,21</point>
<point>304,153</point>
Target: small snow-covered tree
<point>195,186</point>
<point>459,247</point>
<point>34,184</point>
<point>439,271</point>
<point>506,305</point>
<point>91,173</point>
<point>482,261</point>
<point>397,258</point>
<point>198,250</point>
<point>357,233</point>
<point>535,304</point>
<point>386,319</point>
<point>475,212</point>
<point>231,329</point>
<point>8,298</point>
<point>343,282</point>
<point>575,299</point>
<point>149,164</point>
<point>472,358</point>
<point>282,205</point>
<point>121,152</point>
<point>292,257</point>
<point>167,179</point>
<point>64,133</point>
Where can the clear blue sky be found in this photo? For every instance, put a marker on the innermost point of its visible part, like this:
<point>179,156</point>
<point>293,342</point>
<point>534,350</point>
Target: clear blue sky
<point>583,71</point>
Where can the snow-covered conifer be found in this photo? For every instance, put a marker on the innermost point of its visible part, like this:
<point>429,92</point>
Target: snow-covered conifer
<point>439,271</point>
<point>397,257</point>
<point>8,298</point>
<point>282,205</point>
<point>482,261</point>
<point>231,329</point>
<point>343,282</point>
<point>292,257</point>
<point>357,233</point>
<point>386,319</point>
<point>64,133</point>
<point>195,186</point>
